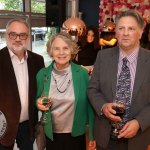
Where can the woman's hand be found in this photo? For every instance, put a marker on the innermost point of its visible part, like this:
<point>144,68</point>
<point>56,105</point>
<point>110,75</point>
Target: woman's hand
<point>92,145</point>
<point>44,106</point>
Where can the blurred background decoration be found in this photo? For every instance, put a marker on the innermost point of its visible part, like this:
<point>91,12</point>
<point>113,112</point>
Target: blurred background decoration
<point>74,26</point>
<point>110,8</point>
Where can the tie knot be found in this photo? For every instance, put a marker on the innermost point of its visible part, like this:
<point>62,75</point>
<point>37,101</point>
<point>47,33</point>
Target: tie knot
<point>125,60</point>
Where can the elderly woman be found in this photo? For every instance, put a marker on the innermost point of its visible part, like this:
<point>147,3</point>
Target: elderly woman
<point>66,84</point>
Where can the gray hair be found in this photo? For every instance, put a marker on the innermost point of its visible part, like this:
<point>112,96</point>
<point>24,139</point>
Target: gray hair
<point>20,20</point>
<point>67,39</point>
<point>131,13</point>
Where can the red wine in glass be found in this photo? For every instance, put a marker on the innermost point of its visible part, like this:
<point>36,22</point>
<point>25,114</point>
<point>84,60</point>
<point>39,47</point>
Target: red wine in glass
<point>119,111</point>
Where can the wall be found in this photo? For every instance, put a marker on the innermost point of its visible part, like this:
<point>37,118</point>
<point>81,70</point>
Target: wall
<point>90,10</point>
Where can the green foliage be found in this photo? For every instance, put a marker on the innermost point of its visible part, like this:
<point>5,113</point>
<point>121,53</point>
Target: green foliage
<point>37,7</point>
<point>12,4</point>
<point>17,5</point>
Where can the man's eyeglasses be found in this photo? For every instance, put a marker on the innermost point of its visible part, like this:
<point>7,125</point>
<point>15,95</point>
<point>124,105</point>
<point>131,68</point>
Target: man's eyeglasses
<point>22,36</point>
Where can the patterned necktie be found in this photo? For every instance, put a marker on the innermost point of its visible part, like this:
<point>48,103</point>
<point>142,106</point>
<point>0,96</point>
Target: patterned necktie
<point>123,91</point>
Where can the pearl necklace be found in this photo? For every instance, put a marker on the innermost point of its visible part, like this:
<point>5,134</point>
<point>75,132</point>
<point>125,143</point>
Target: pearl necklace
<point>61,84</point>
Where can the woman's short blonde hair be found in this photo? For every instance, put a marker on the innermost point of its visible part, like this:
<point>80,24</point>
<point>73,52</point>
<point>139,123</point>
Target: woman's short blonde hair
<point>67,39</point>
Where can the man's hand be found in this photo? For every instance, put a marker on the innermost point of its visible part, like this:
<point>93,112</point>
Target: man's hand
<point>130,129</point>
<point>109,112</point>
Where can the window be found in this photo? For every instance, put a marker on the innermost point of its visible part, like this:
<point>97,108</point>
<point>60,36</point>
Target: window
<point>13,5</point>
<point>40,37</point>
<point>38,6</point>
<point>34,12</point>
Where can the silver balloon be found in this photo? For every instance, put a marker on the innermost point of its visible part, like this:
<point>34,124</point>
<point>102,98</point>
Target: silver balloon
<point>74,26</point>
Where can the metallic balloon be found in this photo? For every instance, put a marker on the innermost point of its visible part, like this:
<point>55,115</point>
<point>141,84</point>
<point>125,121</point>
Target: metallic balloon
<point>74,26</point>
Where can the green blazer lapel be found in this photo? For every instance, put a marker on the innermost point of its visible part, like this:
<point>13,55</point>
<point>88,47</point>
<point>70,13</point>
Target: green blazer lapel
<point>76,80</point>
<point>142,66</point>
<point>48,125</point>
<point>114,70</point>
<point>47,80</point>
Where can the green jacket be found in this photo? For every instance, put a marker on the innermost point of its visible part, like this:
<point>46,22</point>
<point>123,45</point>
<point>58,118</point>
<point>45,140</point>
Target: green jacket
<point>84,114</point>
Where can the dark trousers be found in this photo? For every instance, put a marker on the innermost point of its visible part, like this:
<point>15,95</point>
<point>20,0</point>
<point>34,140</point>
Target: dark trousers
<point>64,141</point>
<point>23,141</point>
<point>6,148</point>
<point>120,144</point>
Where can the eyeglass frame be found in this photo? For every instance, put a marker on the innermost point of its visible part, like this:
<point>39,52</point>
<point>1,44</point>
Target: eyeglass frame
<point>16,35</point>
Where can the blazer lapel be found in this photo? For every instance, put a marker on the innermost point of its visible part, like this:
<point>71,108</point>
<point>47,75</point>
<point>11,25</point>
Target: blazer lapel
<point>114,70</point>
<point>140,75</point>
<point>31,75</point>
<point>10,73</point>
<point>47,80</point>
<point>76,81</point>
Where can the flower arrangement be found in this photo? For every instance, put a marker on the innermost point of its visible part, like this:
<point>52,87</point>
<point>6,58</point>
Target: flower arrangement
<point>110,8</point>
<point>146,15</point>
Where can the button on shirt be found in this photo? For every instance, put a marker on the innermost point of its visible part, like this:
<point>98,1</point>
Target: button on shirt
<point>21,73</point>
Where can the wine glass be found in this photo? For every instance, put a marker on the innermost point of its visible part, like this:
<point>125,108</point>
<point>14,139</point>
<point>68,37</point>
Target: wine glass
<point>46,101</point>
<point>120,111</point>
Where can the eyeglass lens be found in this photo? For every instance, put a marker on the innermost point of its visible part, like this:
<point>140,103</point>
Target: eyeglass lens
<point>13,36</point>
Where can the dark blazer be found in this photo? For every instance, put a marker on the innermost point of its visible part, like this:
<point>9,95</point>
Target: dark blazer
<point>9,96</point>
<point>102,90</point>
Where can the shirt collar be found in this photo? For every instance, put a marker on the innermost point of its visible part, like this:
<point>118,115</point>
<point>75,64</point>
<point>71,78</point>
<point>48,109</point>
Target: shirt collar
<point>13,55</point>
<point>131,58</point>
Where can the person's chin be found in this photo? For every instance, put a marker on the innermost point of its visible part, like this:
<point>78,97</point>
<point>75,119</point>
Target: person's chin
<point>16,49</point>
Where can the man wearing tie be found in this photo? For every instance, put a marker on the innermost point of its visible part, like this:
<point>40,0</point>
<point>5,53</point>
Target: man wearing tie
<point>122,73</point>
